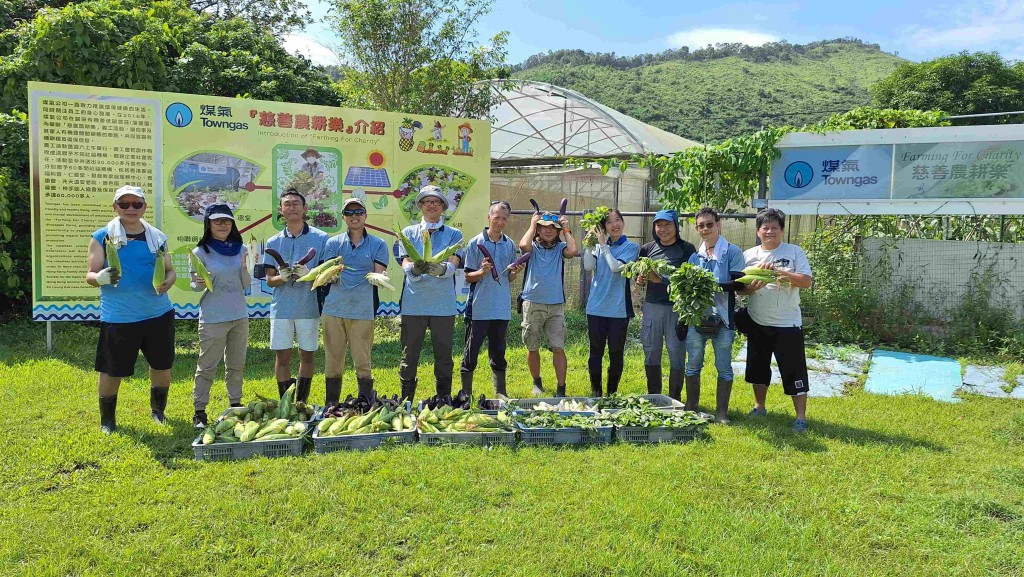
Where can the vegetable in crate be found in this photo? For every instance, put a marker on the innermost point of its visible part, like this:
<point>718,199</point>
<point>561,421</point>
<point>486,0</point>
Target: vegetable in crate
<point>648,416</point>
<point>692,291</point>
<point>591,222</point>
<point>380,420</point>
<point>552,420</point>
<point>446,419</point>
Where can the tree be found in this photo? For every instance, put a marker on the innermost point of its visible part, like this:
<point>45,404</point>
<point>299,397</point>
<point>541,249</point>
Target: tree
<point>274,16</point>
<point>962,83</point>
<point>417,56</point>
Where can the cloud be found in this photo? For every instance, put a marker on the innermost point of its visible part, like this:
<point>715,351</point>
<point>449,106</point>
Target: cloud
<point>988,26</point>
<point>306,46</point>
<point>701,37</point>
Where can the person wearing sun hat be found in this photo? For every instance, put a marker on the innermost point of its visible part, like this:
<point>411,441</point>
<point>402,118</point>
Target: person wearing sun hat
<point>133,316</point>
<point>428,295</point>
<point>223,312</point>
<point>543,296</point>
<point>312,165</point>
<point>351,300</point>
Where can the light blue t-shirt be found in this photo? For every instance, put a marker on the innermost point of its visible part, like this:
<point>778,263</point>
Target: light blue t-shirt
<point>543,283</point>
<point>731,260</point>
<point>352,296</point>
<point>295,300</point>
<point>227,301</point>
<point>429,296</point>
<point>491,300</point>
<point>608,289</point>
<point>134,298</point>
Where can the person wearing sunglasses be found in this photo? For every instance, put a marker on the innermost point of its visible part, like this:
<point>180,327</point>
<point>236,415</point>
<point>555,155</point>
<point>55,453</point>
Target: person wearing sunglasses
<point>489,309</point>
<point>658,329</point>
<point>725,261</point>
<point>609,306</point>
<point>223,313</point>
<point>133,316</point>
<point>351,301</point>
<point>428,295</point>
<point>543,296</point>
<point>294,309</point>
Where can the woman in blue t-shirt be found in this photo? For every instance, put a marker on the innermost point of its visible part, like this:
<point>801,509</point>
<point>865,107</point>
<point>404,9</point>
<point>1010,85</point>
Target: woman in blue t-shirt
<point>609,306</point>
<point>223,314</point>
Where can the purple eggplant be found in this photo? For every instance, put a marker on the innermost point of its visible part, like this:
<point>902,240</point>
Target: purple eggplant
<point>307,257</point>
<point>519,261</point>
<point>281,263</point>
<point>563,206</point>
<point>487,253</point>
<point>536,206</point>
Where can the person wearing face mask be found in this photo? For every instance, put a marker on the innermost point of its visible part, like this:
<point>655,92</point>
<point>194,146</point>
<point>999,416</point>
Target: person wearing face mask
<point>489,309</point>
<point>428,295</point>
<point>660,325</point>
<point>133,316</point>
<point>543,295</point>
<point>294,310</point>
<point>725,261</point>
<point>351,301</point>
<point>609,306</point>
<point>773,319</point>
<point>223,313</point>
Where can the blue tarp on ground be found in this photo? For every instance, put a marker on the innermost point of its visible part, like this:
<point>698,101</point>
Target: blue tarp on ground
<point>894,373</point>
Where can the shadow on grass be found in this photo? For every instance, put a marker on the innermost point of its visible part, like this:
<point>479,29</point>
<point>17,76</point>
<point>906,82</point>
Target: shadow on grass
<point>169,444</point>
<point>776,429</point>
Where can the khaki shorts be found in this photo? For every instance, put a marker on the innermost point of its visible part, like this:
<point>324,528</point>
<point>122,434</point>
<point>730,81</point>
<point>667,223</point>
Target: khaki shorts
<point>541,320</point>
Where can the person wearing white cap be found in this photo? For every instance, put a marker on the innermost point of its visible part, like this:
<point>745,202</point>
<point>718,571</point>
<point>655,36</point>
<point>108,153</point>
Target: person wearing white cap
<point>135,315</point>
<point>428,295</point>
<point>351,301</point>
<point>223,312</point>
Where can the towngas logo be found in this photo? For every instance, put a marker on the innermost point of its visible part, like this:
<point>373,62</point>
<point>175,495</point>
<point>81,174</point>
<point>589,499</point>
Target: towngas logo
<point>799,174</point>
<point>178,114</point>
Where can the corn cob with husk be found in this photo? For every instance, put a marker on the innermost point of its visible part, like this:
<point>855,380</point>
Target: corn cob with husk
<point>315,271</point>
<point>200,269</point>
<point>113,259</point>
<point>159,270</point>
<point>752,273</point>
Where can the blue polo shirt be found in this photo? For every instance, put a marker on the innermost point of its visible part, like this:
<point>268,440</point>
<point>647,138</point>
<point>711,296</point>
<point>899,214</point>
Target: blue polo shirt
<point>352,296</point>
<point>544,283</point>
<point>608,289</point>
<point>429,296</point>
<point>295,300</point>
<point>133,299</point>
<point>490,300</point>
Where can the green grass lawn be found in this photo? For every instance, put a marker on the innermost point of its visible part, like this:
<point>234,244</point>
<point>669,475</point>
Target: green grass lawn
<point>878,486</point>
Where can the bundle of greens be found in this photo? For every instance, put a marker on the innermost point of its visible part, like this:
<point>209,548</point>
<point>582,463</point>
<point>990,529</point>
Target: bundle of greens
<point>652,417</point>
<point>553,420</point>
<point>617,401</point>
<point>644,266</point>
<point>692,291</point>
<point>591,222</point>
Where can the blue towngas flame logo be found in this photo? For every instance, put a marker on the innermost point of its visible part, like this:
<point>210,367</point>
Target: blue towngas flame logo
<point>799,174</point>
<point>178,114</point>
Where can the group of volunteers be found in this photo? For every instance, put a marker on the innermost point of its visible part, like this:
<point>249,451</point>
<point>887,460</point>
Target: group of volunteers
<point>135,317</point>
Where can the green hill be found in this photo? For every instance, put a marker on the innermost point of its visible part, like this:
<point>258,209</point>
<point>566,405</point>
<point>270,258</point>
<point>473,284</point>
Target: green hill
<point>722,91</point>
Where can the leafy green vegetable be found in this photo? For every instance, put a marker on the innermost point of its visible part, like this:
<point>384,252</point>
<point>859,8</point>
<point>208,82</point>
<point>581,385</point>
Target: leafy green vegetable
<point>553,420</point>
<point>591,222</point>
<point>692,291</point>
<point>649,416</point>
<point>644,266</point>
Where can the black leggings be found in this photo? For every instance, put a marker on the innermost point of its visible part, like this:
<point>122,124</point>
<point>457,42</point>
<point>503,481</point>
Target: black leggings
<point>612,331</point>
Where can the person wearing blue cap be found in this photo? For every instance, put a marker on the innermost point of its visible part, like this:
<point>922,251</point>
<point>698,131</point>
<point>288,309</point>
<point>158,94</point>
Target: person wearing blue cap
<point>724,260</point>
<point>659,320</point>
<point>223,313</point>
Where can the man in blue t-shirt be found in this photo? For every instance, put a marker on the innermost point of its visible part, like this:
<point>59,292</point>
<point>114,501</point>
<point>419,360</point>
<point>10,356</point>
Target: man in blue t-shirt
<point>544,294</point>
<point>489,256</point>
<point>428,295</point>
<point>135,314</point>
<point>294,311</point>
<point>350,305</point>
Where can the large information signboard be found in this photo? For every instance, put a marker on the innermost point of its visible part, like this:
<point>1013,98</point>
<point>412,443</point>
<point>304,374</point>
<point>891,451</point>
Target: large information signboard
<point>189,151</point>
<point>948,170</point>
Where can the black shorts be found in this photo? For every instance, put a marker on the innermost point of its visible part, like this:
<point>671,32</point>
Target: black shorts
<point>787,344</point>
<point>119,345</point>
